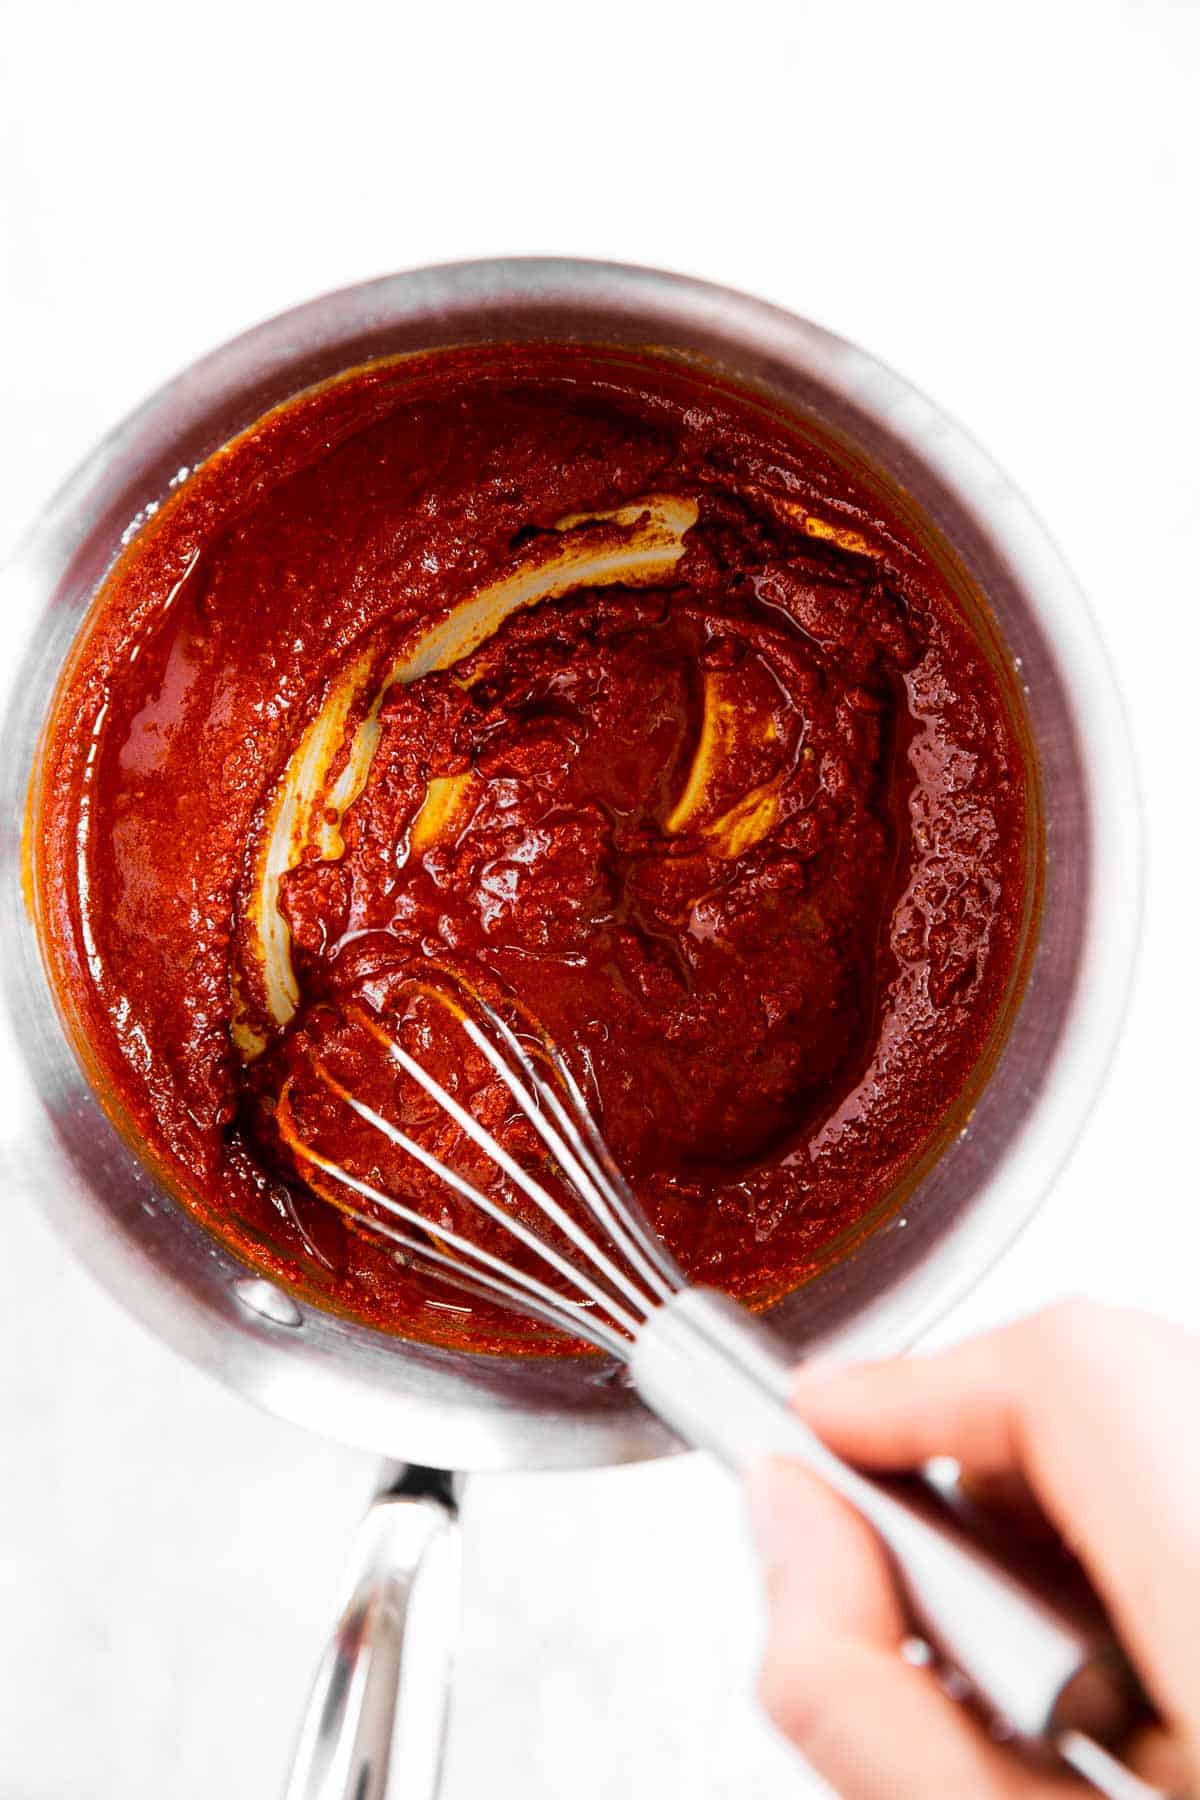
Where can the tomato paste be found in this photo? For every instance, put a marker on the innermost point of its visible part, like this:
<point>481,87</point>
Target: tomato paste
<point>602,686</point>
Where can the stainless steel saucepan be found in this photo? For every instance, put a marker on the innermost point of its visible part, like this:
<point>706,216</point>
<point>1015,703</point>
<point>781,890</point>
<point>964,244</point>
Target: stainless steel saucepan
<point>441,1410</point>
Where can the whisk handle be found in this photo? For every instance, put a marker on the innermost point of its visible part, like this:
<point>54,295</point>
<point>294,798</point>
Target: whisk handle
<point>375,1722</point>
<point>1037,1656</point>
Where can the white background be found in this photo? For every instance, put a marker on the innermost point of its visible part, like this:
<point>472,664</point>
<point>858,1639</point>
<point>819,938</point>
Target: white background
<point>999,200</point>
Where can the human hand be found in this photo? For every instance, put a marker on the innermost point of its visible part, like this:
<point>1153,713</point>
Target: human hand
<point>1089,1412</point>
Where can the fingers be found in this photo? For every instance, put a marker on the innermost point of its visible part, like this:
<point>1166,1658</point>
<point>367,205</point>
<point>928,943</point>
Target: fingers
<point>834,1681</point>
<point>898,1414</point>
<point>1089,1406</point>
<point>1161,1760</point>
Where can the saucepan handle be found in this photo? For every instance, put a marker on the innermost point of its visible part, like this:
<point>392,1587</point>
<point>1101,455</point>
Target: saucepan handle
<point>376,1718</point>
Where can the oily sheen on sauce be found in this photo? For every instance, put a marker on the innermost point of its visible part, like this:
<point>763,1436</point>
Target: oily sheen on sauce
<point>724,783</point>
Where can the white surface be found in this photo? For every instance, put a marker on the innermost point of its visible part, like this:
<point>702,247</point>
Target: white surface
<point>999,200</point>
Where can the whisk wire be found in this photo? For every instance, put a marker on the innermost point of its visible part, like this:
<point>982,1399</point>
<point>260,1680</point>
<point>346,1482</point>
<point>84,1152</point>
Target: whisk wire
<point>566,1144</point>
<point>618,1276</point>
<point>531,1188</point>
<point>532,1292</point>
<point>514,1289</point>
<point>668,1278</point>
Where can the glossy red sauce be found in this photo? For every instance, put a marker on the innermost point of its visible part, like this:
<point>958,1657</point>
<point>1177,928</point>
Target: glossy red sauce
<point>752,840</point>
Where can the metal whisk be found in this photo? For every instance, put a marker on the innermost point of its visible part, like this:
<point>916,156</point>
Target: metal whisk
<point>623,1272</point>
<point>1046,1667</point>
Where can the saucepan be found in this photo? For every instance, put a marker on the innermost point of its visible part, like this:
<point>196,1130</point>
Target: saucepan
<point>429,1409</point>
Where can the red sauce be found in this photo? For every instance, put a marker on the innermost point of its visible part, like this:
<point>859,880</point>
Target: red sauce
<point>749,833</point>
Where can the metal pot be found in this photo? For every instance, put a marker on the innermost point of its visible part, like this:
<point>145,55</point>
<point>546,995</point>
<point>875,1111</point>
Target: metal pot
<point>451,1410</point>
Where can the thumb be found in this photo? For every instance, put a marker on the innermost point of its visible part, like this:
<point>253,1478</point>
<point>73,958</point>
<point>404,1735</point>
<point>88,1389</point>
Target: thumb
<point>825,1570</point>
<point>833,1680</point>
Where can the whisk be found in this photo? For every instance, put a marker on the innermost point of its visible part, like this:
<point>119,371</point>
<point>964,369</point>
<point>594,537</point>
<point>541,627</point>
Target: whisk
<point>1044,1665</point>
